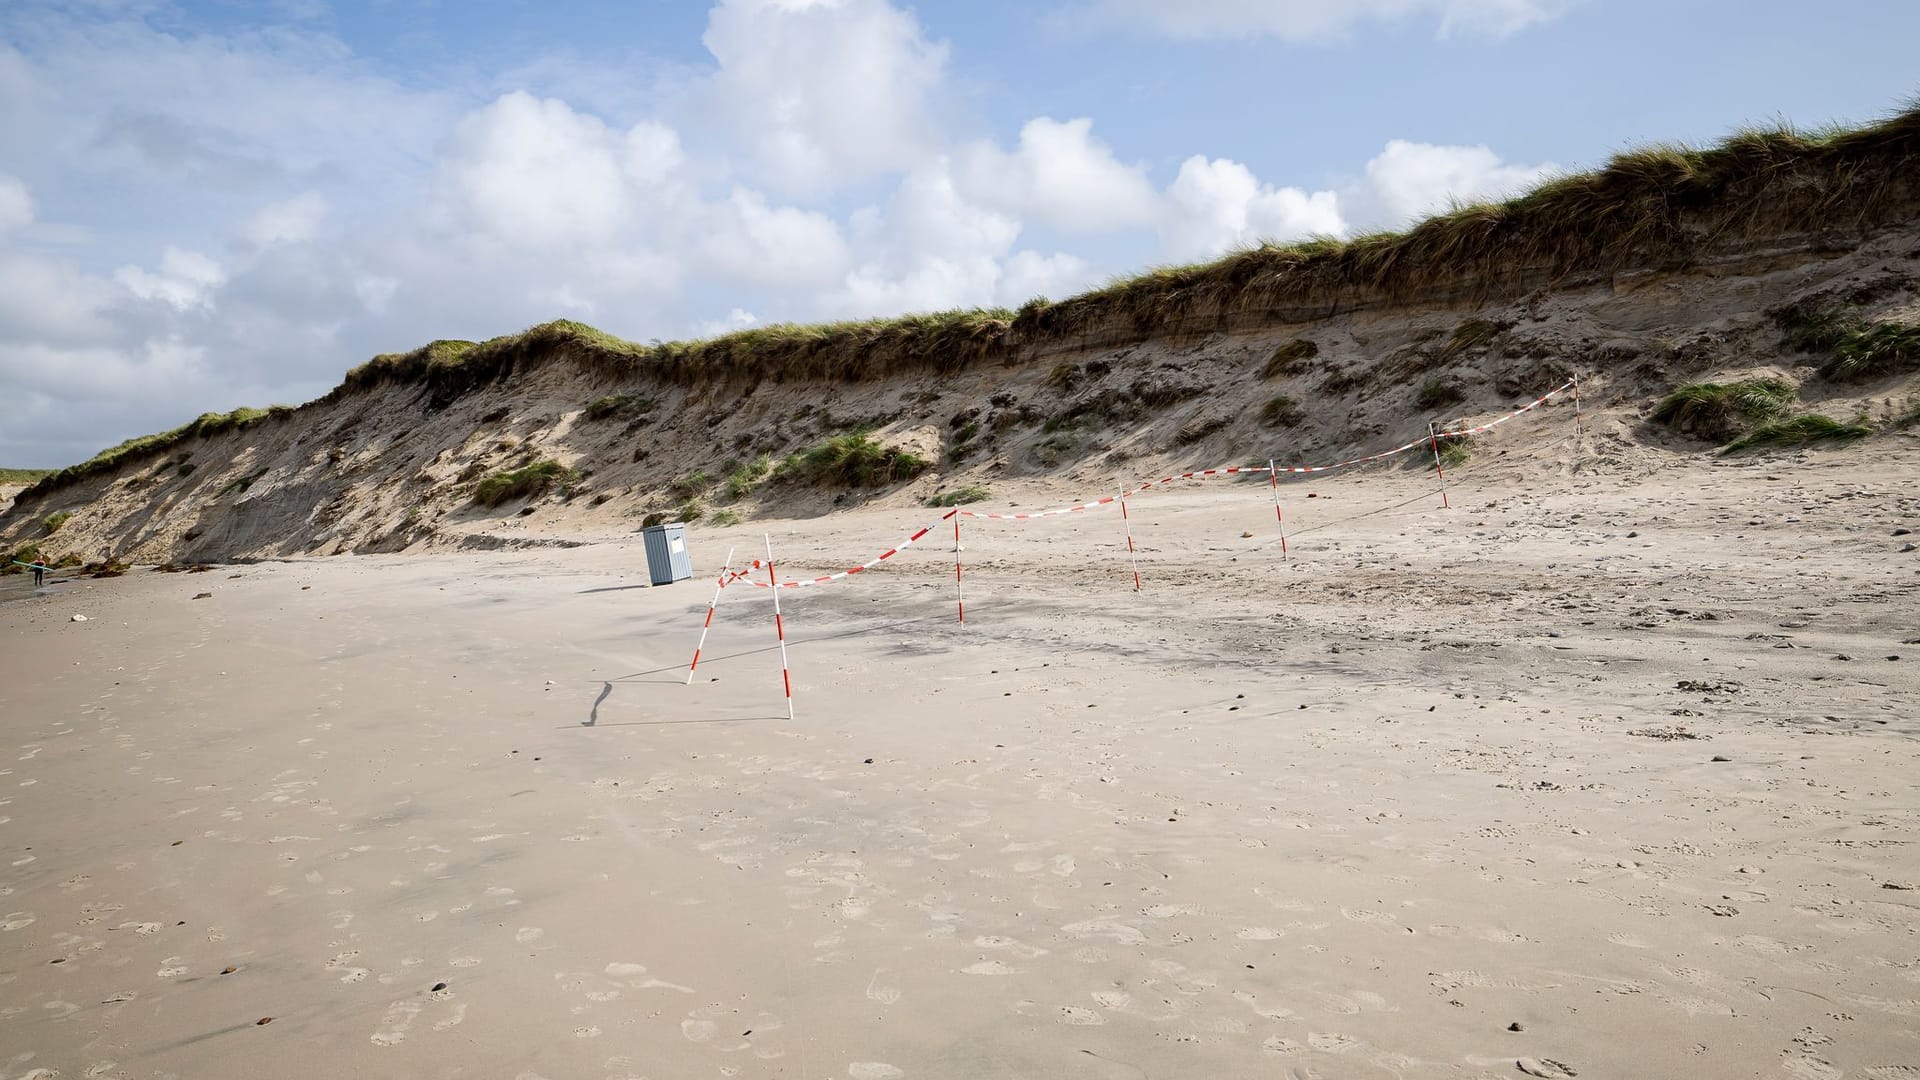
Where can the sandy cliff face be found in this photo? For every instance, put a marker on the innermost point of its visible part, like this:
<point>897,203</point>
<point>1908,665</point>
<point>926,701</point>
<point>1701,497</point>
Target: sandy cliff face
<point>392,466</point>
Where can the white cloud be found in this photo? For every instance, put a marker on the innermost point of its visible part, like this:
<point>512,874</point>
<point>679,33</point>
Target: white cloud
<point>1062,175</point>
<point>1409,180</point>
<point>736,319</point>
<point>186,279</point>
<point>533,173</point>
<point>1314,20</point>
<point>292,221</point>
<point>824,92</point>
<point>750,241</point>
<point>16,204</point>
<point>1214,206</point>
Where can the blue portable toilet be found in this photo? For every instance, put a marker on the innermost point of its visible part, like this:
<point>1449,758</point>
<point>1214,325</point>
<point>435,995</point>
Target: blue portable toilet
<point>667,558</point>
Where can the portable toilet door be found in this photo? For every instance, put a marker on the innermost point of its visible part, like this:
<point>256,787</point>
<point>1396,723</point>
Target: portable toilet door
<point>667,557</point>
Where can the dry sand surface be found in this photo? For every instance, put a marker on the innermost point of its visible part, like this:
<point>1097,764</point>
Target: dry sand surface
<point>1581,776</point>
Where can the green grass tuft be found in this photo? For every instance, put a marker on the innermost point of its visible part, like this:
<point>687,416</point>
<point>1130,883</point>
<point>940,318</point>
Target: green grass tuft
<point>23,476</point>
<point>52,522</point>
<point>1798,431</point>
<point>744,478</point>
<point>1438,393</point>
<point>617,405</point>
<point>723,518</point>
<point>852,460</point>
<point>1282,411</point>
<point>972,493</point>
<point>525,483</point>
<point>1721,411</point>
<point>1872,352</point>
<point>1456,452</point>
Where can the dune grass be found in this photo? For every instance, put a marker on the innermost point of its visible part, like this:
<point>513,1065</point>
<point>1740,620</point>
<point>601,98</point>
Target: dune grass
<point>23,476</point>
<point>972,493</point>
<point>1873,352</point>
<point>52,522</point>
<point>743,478</point>
<point>1722,411</point>
<point>1660,206</point>
<point>522,483</point>
<point>1798,431</point>
<point>1282,411</point>
<point>1438,393</point>
<point>851,461</point>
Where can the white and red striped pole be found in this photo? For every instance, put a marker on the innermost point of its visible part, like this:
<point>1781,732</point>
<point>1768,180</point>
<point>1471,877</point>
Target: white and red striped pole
<point>1433,436</point>
<point>1126,521</point>
<point>1273,478</point>
<point>718,584</point>
<point>1579,424</point>
<point>779,626</point>
<point>959,594</point>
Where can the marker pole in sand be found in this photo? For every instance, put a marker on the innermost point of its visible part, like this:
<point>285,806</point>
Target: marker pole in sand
<point>718,584</point>
<point>959,594</point>
<point>1126,521</point>
<point>1433,436</point>
<point>779,626</point>
<point>1273,478</point>
<point>1579,424</point>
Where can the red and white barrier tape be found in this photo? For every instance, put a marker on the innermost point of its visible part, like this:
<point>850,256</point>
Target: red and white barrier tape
<point>745,573</point>
<point>1528,407</point>
<point>848,572</point>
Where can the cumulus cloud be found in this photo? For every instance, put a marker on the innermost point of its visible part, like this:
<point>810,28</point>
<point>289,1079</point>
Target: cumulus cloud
<point>1312,20</point>
<point>1216,205</point>
<point>1409,180</point>
<point>747,240</point>
<point>824,92</point>
<point>532,173</point>
<point>185,279</point>
<point>1063,176</point>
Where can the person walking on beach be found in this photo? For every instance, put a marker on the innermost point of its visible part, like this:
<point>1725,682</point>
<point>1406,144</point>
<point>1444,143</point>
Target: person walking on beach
<point>39,572</point>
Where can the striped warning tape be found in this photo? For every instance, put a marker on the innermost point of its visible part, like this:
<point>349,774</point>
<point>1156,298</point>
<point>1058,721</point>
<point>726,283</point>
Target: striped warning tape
<point>1491,424</point>
<point>745,573</point>
<point>741,575</point>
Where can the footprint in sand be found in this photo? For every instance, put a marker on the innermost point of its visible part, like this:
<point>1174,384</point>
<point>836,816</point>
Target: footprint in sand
<point>988,967</point>
<point>394,1025</point>
<point>586,1033</point>
<point>528,934</point>
<point>698,1030</point>
<point>1112,999</point>
<point>853,907</point>
<point>171,967</point>
<point>874,1070</point>
<point>17,920</point>
<point>1259,933</point>
<point>877,991</point>
<point>1079,1017</point>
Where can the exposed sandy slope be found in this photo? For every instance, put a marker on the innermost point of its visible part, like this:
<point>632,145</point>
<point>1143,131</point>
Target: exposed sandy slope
<point>393,468</point>
<point>1350,816</point>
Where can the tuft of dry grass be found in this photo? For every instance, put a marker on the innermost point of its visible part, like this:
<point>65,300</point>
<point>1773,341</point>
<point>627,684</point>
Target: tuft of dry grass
<point>523,483</point>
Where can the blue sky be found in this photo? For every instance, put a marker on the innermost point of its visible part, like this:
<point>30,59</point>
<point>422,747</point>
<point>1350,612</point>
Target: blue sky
<point>218,203</point>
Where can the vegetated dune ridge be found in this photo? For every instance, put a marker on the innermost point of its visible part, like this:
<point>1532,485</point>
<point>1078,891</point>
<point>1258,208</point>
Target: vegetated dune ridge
<point>1774,255</point>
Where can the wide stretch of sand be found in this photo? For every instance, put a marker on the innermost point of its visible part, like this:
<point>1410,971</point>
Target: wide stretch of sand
<point>1584,776</point>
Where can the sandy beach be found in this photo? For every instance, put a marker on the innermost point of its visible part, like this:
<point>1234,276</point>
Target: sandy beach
<point>1590,774</point>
